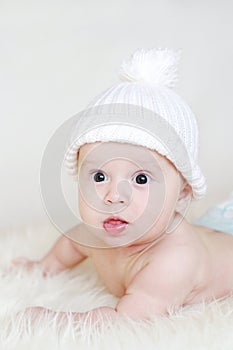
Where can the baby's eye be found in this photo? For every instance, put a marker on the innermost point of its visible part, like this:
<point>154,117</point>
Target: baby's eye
<point>99,176</point>
<point>141,179</point>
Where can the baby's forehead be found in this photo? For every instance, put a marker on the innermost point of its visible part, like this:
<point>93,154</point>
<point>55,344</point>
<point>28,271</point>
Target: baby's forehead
<point>102,152</point>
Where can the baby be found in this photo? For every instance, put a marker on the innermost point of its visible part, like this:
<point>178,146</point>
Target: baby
<point>137,174</point>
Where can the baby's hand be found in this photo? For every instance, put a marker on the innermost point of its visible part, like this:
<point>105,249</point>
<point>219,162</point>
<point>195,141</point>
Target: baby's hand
<point>23,262</point>
<point>47,265</point>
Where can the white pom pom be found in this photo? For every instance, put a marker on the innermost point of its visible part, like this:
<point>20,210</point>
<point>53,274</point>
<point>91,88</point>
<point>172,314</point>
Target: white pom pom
<point>156,66</point>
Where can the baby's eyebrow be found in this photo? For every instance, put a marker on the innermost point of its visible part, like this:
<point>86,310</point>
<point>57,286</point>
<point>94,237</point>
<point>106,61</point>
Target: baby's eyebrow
<point>88,162</point>
<point>142,164</point>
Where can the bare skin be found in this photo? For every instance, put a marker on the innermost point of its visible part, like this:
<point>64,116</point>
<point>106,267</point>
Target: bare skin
<point>157,272</point>
<point>198,269</point>
<point>198,252</point>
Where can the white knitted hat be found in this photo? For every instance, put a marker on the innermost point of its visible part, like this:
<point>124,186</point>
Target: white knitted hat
<point>144,110</point>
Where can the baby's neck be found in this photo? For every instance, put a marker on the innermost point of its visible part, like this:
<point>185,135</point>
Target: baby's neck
<point>177,233</point>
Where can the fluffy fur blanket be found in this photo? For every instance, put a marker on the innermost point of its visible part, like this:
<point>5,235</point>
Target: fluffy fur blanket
<point>203,326</point>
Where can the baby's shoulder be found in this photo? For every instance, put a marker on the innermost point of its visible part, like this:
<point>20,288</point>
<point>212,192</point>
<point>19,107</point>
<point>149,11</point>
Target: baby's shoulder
<point>166,262</point>
<point>176,259</point>
<point>170,274</point>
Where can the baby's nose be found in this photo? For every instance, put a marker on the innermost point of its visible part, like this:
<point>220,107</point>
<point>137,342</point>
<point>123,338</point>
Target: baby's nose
<point>118,193</point>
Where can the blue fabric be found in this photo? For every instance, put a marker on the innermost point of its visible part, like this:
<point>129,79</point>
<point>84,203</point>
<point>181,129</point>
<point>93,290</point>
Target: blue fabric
<point>219,217</point>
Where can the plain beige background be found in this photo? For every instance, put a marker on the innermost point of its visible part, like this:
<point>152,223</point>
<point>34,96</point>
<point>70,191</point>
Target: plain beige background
<point>55,56</point>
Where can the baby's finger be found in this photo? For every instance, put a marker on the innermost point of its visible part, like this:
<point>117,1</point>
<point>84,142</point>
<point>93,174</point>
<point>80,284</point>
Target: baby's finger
<point>20,260</point>
<point>20,263</point>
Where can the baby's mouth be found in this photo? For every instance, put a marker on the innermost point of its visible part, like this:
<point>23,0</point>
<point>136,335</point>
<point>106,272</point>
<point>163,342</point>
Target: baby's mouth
<point>114,225</point>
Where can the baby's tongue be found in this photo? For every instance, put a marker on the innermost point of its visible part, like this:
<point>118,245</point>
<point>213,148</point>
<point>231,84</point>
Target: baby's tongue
<point>114,226</point>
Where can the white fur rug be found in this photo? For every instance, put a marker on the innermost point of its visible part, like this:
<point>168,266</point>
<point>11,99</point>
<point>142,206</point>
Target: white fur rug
<point>198,327</point>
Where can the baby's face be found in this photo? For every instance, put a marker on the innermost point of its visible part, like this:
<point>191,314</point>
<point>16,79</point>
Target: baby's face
<point>126,192</point>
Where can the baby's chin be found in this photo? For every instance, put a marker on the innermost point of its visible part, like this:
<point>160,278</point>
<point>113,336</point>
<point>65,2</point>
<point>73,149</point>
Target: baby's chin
<point>125,235</point>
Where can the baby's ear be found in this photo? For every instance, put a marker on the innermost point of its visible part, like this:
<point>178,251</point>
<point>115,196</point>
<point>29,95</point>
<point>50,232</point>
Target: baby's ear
<point>186,189</point>
<point>185,197</point>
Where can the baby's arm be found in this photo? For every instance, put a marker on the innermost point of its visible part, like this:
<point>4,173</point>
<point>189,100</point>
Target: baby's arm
<point>161,286</point>
<point>63,255</point>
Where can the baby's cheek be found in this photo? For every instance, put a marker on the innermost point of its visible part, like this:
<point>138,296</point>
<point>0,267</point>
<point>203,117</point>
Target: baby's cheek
<point>84,210</point>
<point>90,217</point>
<point>139,202</point>
<point>148,202</point>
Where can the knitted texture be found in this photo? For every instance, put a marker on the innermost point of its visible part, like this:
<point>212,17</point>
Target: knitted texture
<point>147,78</point>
